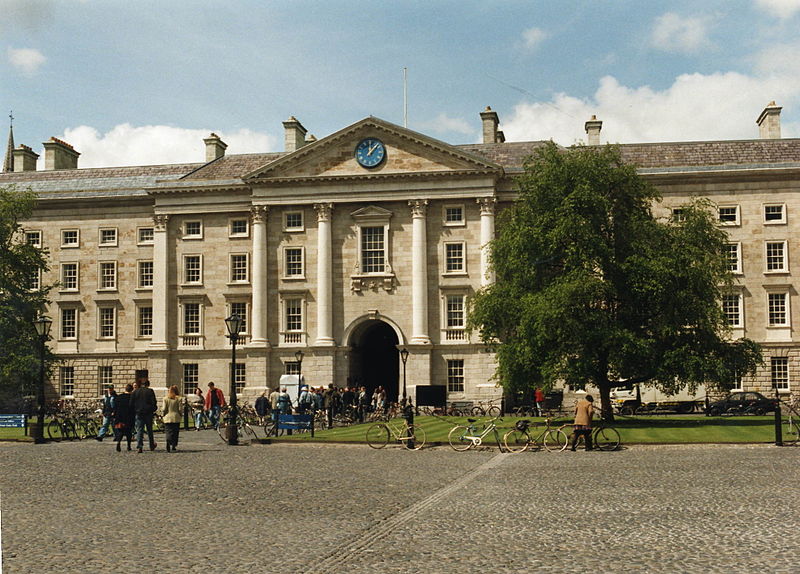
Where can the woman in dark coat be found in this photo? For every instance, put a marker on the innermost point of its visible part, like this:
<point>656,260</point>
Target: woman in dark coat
<point>123,417</point>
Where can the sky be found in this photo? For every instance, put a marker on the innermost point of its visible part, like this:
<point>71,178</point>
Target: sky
<point>141,82</point>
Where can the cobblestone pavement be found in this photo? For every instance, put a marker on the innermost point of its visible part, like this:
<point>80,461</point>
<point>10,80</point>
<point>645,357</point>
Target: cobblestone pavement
<point>84,508</point>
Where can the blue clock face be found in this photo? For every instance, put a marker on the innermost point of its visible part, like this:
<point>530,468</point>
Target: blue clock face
<point>370,152</point>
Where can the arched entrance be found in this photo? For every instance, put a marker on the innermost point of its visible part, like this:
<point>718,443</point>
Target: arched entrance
<point>374,357</point>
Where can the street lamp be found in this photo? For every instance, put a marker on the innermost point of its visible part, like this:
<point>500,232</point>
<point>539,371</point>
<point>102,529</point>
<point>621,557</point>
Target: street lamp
<point>408,409</point>
<point>298,355</point>
<point>234,326</point>
<point>404,357</point>
<point>42,325</point>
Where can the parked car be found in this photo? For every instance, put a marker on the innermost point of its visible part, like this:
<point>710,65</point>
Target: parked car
<point>743,403</point>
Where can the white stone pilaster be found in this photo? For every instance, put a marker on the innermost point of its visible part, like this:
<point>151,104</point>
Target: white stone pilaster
<point>324,276</point>
<point>258,333</point>
<point>158,340</point>
<point>487,234</point>
<point>419,274</point>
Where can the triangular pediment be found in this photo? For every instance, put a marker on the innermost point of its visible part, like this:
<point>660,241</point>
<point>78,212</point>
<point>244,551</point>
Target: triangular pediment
<point>407,152</point>
<point>371,213</point>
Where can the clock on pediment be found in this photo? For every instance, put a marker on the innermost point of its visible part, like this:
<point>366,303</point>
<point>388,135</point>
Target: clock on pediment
<point>370,152</point>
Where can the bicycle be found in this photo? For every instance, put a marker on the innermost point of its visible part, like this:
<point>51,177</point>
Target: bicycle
<point>791,424</point>
<point>487,408</point>
<point>61,427</point>
<point>243,428</point>
<point>463,437</point>
<point>412,436</point>
<point>604,437</point>
<point>519,438</point>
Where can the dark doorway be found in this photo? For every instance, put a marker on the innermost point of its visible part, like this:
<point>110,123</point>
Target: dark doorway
<point>374,358</point>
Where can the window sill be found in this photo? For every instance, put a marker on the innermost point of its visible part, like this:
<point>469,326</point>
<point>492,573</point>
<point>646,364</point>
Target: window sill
<point>237,283</point>
<point>455,274</point>
<point>293,278</point>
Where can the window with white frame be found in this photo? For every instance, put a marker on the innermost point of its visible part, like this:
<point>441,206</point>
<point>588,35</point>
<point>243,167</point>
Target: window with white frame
<point>239,268</point>
<point>193,269</point>
<point>454,215</point>
<point>779,371</point>
<point>69,324</point>
<point>293,221</point>
<point>144,235</point>
<point>678,215</point>
<point>191,378</point>
<point>144,321</point>
<point>293,320</point>
<point>733,253</point>
<point>238,228</point>
<point>775,213</point>
<point>778,309</point>
<point>455,311</point>
<point>732,308</point>
<point>70,238</point>
<point>107,322</point>
<point>455,375</point>
<point>67,381</point>
<point>373,252</point>
<point>293,262</point>
<point>240,377</point>
<point>239,308</point>
<point>35,280</point>
<point>729,214</point>
<point>775,252</point>
<point>108,275</point>
<point>108,237</point>
<point>105,376</point>
<point>33,238</point>
<point>191,318</point>
<point>454,257</point>
<point>193,229</point>
<point>291,368</point>
<point>145,273</point>
<point>374,259</point>
<point>69,276</point>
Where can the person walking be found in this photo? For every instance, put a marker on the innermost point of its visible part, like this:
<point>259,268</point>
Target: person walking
<point>172,417</point>
<point>363,404</point>
<point>124,417</point>
<point>198,408</point>
<point>215,400</point>
<point>262,407</point>
<point>108,409</point>
<point>143,401</point>
<point>584,410</point>
<point>538,400</point>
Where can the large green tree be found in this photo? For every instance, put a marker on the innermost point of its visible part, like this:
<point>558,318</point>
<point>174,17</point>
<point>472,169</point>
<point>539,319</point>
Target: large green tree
<point>19,303</point>
<point>592,288</point>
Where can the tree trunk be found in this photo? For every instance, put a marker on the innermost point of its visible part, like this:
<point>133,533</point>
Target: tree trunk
<point>605,401</point>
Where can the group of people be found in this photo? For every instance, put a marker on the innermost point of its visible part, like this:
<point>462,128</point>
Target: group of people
<point>207,407</point>
<point>332,400</point>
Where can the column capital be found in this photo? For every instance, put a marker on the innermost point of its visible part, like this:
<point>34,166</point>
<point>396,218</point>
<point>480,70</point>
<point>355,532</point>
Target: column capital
<point>487,204</point>
<point>160,222</point>
<point>258,213</point>
<point>324,211</point>
<point>419,207</point>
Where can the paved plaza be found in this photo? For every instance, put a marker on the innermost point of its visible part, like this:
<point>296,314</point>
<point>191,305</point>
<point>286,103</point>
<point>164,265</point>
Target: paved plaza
<point>209,508</point>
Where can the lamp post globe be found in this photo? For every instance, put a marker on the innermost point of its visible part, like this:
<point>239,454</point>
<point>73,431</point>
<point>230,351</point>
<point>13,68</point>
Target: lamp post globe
<point>42,325</point>
<point>234,326</point>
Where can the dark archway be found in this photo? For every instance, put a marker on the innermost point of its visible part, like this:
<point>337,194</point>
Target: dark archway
<point>374,357</point>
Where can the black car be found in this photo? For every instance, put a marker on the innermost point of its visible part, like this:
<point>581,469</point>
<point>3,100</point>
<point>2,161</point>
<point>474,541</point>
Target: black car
<point>743,403</point>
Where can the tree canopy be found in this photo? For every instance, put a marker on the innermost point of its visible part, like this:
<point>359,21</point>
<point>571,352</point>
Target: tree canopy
<point>592,288</point>
<point>19,303</point>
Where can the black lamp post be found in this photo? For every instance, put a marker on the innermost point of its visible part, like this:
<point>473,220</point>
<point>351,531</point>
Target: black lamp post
<point>404,357</point>
<point>234,326</point>
<point>408,409</point>
<point>298,355</point>
<point>42,325</point>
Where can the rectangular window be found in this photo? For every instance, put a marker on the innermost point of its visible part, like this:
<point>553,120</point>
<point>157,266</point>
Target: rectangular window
<point>776,256</point>
<point>108,237</point>
<point>372,254</point>
<point>294,315</point>
<point>69,323</point>
<point>145,322</point>
<point>105,376</point>
<point>732,308</point>
<point>733,252</point>
<point>454,257</point>
<point>777,309</point>
<point>240,308</point>
<point>240,377</point>
<point>192,269</point>
<point>191,318</point>
<point>239,228</point>
<point>239,268</point>
<point>294,262</point>
<point>779,369</point>
<point>108,275</point>
<point>293,221</point>
<point>35,280</point>
<point>455,375</point>
<point>454,215</point>
<point>144,235</point>
<point>69,238</point>
<point>145,275</point>
<point>775,213</point>
<point>291,368</point>
<point>33,238</point>
<point>678,215</point>
<point>192,229</point>
<point>729,215</point>
<point>67,381</point>
<point>107,322</point>
<point>455,311</point>
<point>191,378</point>
<point>69,276</point>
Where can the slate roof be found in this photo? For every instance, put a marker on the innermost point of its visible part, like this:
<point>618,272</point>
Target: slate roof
<point>232,166</point>
<point>752,153</point>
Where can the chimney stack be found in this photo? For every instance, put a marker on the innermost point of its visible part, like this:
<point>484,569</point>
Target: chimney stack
<point>490,122</point>
<point>769,122</point>
<point>215,147</point>
<point>593,127</point>
<point>59,155</point>
<point>25,158</point>
<point>294,134</point>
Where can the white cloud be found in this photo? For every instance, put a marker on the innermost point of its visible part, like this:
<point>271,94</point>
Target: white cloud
<point>783,9</point>
<point>533,37</point>
<point>27,60</point>
<point>694,107</point>
<point>672,33</point>
<point>151,145</point>
<point>444,124</point>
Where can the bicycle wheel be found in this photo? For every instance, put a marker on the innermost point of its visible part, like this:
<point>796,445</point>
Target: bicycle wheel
<point>54,430</point>
<point>69,431</point>
<point>222,430</point>
<point>477,411</point>
<point>249,432</point>
<point>418,437</point>
<point>517,440</point>
<point>556,440</point>
<point>791,431</point>
<point>378,435</point>
<point>457,438</point>
<point>493,411</point>
<point>606,438</point>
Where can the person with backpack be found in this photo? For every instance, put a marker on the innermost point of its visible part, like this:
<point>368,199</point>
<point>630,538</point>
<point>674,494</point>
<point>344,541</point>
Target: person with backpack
<point>108,410</point>
<point>305,401</point>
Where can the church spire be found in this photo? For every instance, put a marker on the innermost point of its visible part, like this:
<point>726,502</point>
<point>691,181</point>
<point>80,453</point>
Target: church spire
<point>8,162</point>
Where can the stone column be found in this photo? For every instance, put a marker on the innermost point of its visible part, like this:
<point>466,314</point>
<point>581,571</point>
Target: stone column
<point>160,282</point>
<point>324,276</point>
<point>487,234</point>
<point>419,273</point>
<point>258,332</point>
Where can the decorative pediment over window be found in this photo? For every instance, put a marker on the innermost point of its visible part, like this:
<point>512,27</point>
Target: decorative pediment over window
<point>372,214</point>
<point>373,268</point>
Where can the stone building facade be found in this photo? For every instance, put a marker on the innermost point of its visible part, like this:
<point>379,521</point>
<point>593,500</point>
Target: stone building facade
<point>347,249</point>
